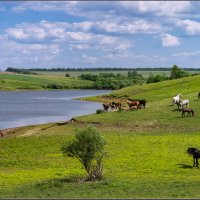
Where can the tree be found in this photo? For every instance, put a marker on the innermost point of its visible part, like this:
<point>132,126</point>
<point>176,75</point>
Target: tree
<point>88,148</point>
<point>177,72</point>
<point>67,75</point>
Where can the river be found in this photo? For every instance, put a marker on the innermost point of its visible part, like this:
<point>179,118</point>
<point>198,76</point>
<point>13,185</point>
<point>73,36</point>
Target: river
<point>39,107</point>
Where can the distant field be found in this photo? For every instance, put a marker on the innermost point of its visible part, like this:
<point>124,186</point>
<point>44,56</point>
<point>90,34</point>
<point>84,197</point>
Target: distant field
<point>78,73</point>
<point>15,81</point>
<point>146,150</point>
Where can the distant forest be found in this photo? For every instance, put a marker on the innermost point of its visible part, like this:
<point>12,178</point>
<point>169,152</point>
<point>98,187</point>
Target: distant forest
<point>11,69</point>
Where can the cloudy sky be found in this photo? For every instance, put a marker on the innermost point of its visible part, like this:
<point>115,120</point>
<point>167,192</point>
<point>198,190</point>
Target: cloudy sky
<point>99,34</point>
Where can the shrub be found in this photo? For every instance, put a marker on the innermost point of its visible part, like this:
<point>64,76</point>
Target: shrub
<point>88,148</point>
<point>99,111</point>
<point>156,78</point>
<point>67,75</point>
<point>54,86</point>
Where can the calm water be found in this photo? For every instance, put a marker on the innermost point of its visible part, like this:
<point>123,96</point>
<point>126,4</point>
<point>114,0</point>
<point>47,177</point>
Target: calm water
<point>38,107</point>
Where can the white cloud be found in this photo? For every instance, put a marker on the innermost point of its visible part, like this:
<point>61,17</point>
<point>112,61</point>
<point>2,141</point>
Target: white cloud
<point>46,6</point>
<point>129,26</point>
<point>20,53</point>
<point>191,27</point>
<point>159,8</point>
<point>169,40</point>
<point>41,31</point>
<point>60,33</point>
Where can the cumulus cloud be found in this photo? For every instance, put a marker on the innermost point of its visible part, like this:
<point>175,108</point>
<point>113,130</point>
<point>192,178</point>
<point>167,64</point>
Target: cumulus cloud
<point>45,6</point>
<point>100,30</point>
<point>169,40</point>
<point>41,31</point>
<point>19,53</point>
<point>191,27</point>
<point>71,34</point>
<point>129,26</point>
<point>159,8</point>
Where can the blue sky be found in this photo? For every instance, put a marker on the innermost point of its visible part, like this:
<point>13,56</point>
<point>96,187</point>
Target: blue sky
<point>99,34</point>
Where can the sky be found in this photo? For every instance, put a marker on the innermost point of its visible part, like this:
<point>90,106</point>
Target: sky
<point>80,34</point>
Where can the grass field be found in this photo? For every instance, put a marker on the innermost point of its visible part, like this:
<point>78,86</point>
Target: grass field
<point>146,151</point>
<point>145,74</point>
<point>18,82</point>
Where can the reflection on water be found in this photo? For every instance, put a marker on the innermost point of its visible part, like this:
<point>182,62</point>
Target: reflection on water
<point>38,107</point>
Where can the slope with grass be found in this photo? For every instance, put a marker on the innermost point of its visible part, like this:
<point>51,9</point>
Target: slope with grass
<point>19,82</point>
<point>157,91</point>
<point>146,151</point>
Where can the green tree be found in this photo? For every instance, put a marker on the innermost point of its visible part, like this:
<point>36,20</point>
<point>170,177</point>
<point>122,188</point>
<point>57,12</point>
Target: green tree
<point>67,75</point>
<point>177,72</point>
<point>88,148</point>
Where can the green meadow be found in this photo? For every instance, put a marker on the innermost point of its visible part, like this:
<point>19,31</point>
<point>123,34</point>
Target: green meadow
<point>37,82</point>
<point>77,73</point>
<point>146,150</point>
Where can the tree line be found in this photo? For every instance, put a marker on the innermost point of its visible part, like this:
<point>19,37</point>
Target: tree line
<point>114,81</point>
<point>12,69</point>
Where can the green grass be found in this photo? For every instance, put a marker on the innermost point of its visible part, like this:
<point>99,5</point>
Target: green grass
<point>124,72</point>
<point>146,151</point>
<point>151,163</point>
<point>17,82</point>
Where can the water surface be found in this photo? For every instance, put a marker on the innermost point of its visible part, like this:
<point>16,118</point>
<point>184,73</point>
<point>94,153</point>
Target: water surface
<point>39,107</point>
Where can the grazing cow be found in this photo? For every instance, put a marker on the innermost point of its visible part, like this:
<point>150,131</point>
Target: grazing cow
<point>176,99</point>
<point>188,110</point>
<point>132,104</point>
<point>106,106</point>
<point>196,155</point>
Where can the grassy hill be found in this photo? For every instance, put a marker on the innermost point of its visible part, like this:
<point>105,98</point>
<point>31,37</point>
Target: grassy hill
<point>157,91</point>
<point>146,150</point>
<point>18,82</point>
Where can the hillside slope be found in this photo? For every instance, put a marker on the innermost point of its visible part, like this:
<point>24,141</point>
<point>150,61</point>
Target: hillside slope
<point>19,82</point>
<point>159,114</point>
<point>161,90</point>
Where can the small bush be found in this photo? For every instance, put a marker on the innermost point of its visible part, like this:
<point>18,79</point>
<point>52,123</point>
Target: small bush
<point>99,111</point>
<point>54,86</point>
<point>67,75</point>
<point>88,148</point>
